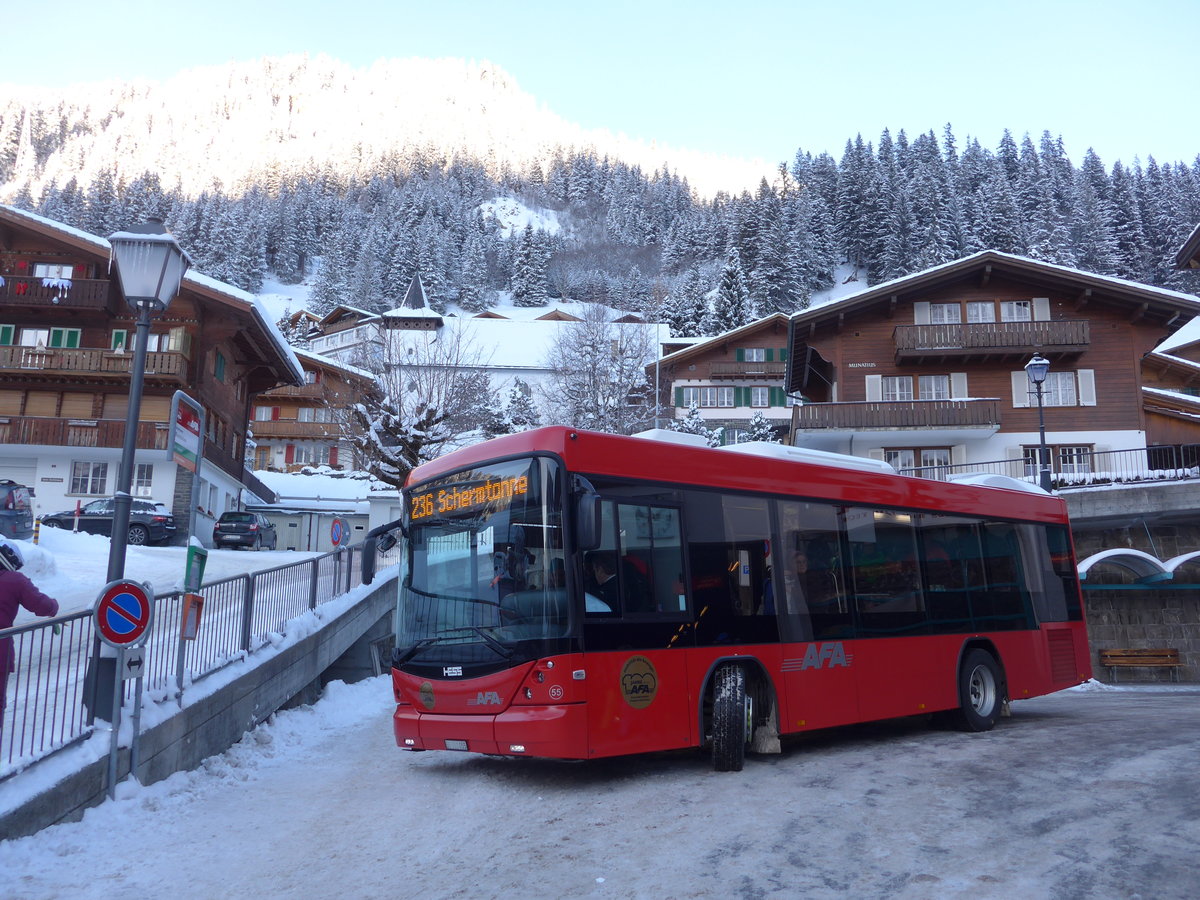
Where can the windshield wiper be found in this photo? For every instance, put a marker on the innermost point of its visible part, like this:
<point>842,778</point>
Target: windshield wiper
<point>491,641</point>
<point>496,646</point>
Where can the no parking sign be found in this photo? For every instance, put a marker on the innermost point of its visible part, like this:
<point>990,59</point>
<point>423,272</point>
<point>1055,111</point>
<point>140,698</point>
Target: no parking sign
<point>337,531</point>
<point>123,612</point>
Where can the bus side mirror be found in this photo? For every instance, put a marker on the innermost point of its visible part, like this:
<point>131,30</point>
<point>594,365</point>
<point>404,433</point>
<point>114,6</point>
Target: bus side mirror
<point>378,540</point>
<point>587,520</point>
<point>368,560</point>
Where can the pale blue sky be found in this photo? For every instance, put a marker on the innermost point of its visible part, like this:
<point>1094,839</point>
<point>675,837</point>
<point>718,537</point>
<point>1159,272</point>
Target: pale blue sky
<point>755,78</point>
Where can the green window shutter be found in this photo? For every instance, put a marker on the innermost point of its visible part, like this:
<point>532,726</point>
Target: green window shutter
<point>770,355</point>
<point>73,338</point>
<point>783,354</point>
<point>679,397</point>
<point>778,397</point>
<point>740,355</point>
<point>56,337</point>
<point>6,335</point>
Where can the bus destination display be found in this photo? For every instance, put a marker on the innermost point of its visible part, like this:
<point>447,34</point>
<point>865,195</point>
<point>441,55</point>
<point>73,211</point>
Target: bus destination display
<point>467,497</point>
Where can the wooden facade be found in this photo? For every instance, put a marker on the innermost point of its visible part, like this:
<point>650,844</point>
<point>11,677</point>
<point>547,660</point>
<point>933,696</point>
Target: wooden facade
<point>66,349</point>
<point>302,426</point>
<point>730,376</point>
<point>959,337</point>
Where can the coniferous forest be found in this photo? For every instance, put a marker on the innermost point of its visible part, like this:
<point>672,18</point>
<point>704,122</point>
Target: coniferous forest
<point>360,217</point>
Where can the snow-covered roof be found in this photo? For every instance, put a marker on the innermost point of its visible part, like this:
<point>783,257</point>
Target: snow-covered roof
<point>700,344</point>
<point>1176,397</point>
<point>934,274</point>
<point>332,363</point>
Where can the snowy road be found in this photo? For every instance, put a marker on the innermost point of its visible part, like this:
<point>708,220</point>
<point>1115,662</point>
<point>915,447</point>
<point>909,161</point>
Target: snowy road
<point>1085,794</point>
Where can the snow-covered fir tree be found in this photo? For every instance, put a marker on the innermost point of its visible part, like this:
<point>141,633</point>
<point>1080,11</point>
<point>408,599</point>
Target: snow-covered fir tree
<point>694,423</point>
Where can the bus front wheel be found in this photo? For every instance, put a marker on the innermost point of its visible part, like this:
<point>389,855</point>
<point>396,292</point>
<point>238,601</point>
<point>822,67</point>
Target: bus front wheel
<point>731,714</point>
<point>980,691</point>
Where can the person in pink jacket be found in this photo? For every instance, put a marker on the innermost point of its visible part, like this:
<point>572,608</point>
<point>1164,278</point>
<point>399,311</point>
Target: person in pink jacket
<point>16,591</point>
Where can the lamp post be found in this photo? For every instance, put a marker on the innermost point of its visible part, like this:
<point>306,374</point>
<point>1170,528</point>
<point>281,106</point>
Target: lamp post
<point>150,266</point>
<point>1037,369</point>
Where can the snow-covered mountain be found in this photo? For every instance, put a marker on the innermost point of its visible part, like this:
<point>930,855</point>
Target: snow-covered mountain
<point>218,128</point>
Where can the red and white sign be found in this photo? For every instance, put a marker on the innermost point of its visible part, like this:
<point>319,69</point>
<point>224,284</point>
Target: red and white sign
<point>122,613</point>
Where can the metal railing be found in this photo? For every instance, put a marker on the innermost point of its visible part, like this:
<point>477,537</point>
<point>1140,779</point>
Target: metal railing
<point>47,707</point>
<point>1072,468</point>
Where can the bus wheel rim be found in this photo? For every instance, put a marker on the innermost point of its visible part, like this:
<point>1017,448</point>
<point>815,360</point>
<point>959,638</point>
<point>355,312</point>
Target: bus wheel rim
<point>982,689</point>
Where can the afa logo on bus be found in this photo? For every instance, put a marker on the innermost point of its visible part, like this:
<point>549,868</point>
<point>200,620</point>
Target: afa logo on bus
<point>639,682</point>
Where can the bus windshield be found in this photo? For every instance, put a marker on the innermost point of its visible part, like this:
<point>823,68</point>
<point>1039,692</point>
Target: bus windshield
<point>486,564</point>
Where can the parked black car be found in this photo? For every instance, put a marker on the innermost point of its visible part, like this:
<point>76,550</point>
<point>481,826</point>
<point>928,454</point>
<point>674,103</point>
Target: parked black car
<point>244,529</point>
<point>16,511</point>
<point>149,522</point>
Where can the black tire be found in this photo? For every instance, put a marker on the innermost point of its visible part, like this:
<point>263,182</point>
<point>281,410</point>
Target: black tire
<point>138,535</point>
<point>980,692</point>
<point>730,712</point>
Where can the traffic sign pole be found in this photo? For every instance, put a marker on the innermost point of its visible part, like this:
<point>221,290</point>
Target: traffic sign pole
<point>122,615</point>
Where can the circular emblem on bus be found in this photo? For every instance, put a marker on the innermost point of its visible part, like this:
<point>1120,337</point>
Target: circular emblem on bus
<point>427,695</point>
<point>639,682</point>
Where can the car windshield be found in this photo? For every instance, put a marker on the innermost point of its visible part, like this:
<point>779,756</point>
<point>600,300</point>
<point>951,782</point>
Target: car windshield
<point>485,562</point>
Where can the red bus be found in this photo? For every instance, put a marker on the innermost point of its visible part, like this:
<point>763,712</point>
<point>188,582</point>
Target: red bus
<point>575,595</point>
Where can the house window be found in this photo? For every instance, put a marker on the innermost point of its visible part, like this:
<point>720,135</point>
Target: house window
<point>897,387</point>
<point>690,397</point>
<point>263,414</point>
<point>760,396</point>
<point>53,270</point>
<point>89,478</point>
<point>1016,311</point>
<point>1059,389</point>
<point>1066,459</point>
<point>716,397</point>
<point>219,366</point>
<point>981,311</point>
<point>50,337</point>
<point>311,378</point>
<point>926,462</point>
<point>262,457</point>
<point>933,387</point>
<point>119,339</point>
<point>755,354</point>
<point>945,313</point>
<point>143,480</point>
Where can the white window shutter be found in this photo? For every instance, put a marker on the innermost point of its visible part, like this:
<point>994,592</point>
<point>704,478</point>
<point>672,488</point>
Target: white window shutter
<point>921,312</point>
<point>1087,386</point>
<point>958,385</point>
<point>875,387</point>
<point>875,453</point>
<point>1017,457</point>
<point>1020,389</point>
<point>958,454</point>
<point>1041,309</point>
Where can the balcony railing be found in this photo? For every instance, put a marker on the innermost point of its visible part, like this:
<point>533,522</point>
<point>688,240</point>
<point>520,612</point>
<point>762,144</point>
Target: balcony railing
<point>93,362</point>
<point>990,338</point>
<point>773,370</point>
<point>1080,468</point>
<point>310,391</point>
<point>79,432</point>
<point>291,429</point>
<point>872,414</point>
<point>80,293</point>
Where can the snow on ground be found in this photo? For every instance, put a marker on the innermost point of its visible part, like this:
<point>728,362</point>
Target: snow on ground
<point>73,568</point>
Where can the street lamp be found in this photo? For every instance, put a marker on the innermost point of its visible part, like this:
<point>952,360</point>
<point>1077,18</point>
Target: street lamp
<point>150,266</point>
<point>1037,369</point>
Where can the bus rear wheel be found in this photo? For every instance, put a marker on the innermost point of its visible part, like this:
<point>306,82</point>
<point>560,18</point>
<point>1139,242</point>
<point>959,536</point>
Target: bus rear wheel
<point>731,718</point>
<point>980,692</point>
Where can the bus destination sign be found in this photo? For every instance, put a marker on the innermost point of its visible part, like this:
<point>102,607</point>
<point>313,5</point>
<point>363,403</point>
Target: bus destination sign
<point>467,497</point>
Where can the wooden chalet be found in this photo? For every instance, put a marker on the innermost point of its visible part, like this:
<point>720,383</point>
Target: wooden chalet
<point>928,370</point>
<point>66,337</point>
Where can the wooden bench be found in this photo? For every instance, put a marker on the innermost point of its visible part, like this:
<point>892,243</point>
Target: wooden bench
<point>1160,658</point>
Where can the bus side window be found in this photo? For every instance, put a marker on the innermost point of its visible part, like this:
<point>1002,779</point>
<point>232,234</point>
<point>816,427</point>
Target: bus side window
<point>651,548</point>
